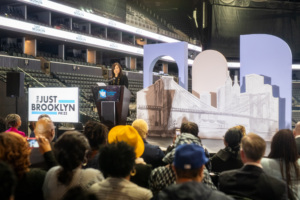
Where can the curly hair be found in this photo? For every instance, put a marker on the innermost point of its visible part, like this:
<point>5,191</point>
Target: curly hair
<point>15,150</point>
<point>70,151</point>
<point>116,159</point>
<point>12,120</point>
<point>96,133</point>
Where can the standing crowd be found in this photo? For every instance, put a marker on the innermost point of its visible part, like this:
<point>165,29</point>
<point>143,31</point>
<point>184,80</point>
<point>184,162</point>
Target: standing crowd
<point>120,163</point>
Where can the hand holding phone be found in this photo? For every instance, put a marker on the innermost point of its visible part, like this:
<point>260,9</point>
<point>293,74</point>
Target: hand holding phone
<point>33,143</point>
<point>177,131</point>
<point>44,144</point>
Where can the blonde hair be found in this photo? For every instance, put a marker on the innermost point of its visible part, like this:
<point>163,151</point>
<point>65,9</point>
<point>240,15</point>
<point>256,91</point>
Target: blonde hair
<point>241,128</point>
<point>253,146</point>
<point>12,120</point>
<point>141,126</point>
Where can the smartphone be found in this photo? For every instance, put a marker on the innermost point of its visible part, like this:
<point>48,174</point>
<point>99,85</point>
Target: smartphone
<point>32,143</point>
<point>177,131</point>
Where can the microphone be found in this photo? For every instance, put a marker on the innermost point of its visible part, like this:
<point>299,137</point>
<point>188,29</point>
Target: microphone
<point>111,80</point>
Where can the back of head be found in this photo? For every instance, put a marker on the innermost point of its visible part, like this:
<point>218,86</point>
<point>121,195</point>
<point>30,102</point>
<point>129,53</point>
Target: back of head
<point>233,138</point>
<point>117,159</point>
<point>253,146</point>
<point>8,181</point>
<point>141,126</point>
<point>129,135</point>
<point>284,146</point>
<point>189,158</point>
<point>12,120</point>
<point>241,128</point>
<point>189,127</point>
<point>43,115</point>
<point>14,150</point>
<point>70,150</point>
<point>45,127</point>
<point>96,134</point>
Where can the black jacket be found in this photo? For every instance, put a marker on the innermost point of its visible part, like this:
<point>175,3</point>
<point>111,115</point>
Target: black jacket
<point>123,80</point>
<point>252,182</point>
<point>191,191</point>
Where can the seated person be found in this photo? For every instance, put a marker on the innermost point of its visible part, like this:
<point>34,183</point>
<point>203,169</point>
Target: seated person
<point>15,151</point>
<point>13,121</point>
<point>43,156</point>
<point>189,164</point>
<point>153,154</point>
<point>70,151</point>
<point>283,161</point>
<point>129,135</point>
<point>229,157</point>
<point>117,161</point>
<point>96,134</point>
<point>33,124</point>
<point>163,176</point>
<point>251,181</point>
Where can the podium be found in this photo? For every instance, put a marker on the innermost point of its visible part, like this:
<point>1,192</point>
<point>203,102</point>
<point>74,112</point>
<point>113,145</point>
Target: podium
<point>112,103</point>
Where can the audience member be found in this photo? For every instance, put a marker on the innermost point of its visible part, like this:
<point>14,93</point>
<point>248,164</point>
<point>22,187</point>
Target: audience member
<point>70,151</point>
<point>163,176</point>
<point>297,136</point>
<point>117,160</point>
<point>96,134</point>
<point>241,128</point>
<point>189,164</point>
<point>251,181</point>
<point>43,156</point>
<point>153,154</point>
<point>129,135</point>
<point>283,162</point>
<point>13,122</point>
<point>2,125</point>
<point>33,124</point>
<point>77,193</point>
<point>15,151</point>
<point>229,157</point>
<point>8,182</point>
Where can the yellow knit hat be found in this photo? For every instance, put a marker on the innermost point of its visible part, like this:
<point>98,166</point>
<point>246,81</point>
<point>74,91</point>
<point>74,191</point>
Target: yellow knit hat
<point>129,135</point>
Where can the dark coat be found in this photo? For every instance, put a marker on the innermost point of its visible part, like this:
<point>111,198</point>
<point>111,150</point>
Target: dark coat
<point>153,155</point>
<point>191,191</point>
<point>224,161</point>
<point>252,182</point>
<point>123,80</point>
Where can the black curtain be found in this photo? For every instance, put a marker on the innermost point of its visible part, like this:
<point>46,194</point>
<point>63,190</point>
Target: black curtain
<point>229,21</point>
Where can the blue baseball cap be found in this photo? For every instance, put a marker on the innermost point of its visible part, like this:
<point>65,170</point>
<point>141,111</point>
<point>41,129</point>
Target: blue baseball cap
<point>189,156</point>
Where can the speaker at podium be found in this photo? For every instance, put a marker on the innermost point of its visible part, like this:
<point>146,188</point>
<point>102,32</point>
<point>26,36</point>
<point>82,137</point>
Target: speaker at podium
<point>112,102</point>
